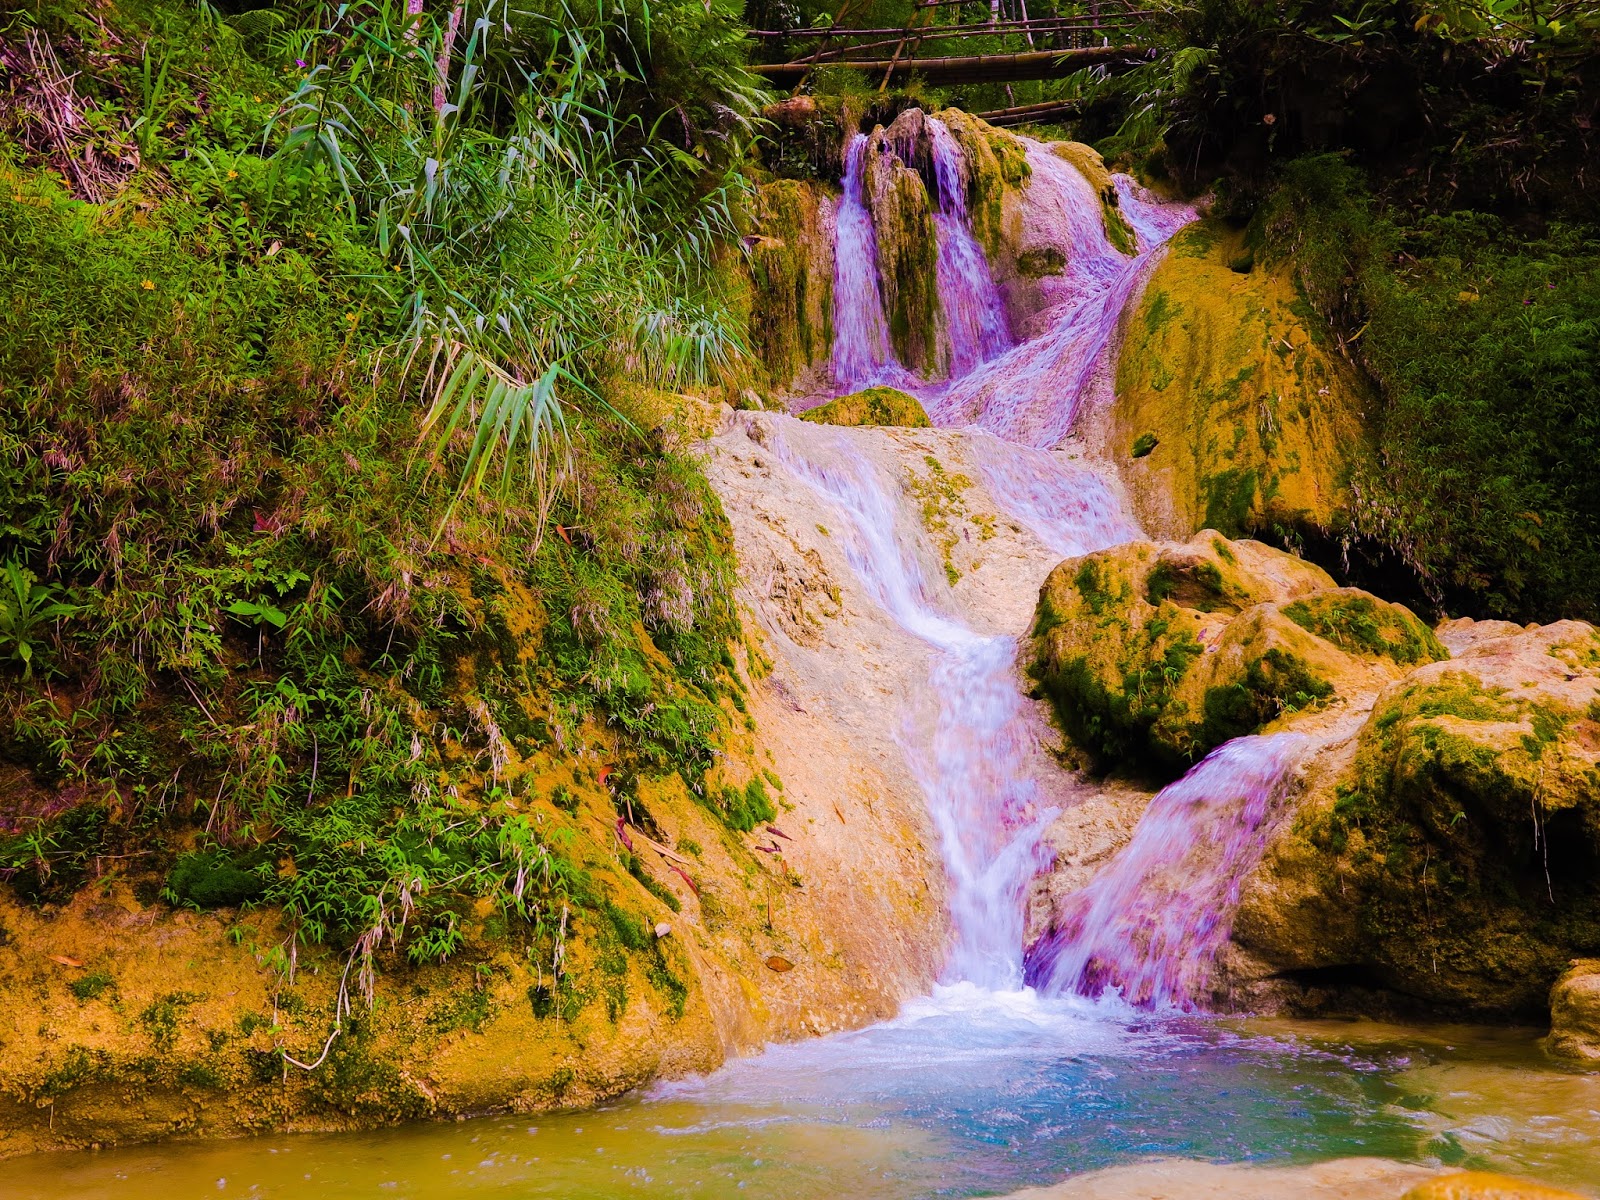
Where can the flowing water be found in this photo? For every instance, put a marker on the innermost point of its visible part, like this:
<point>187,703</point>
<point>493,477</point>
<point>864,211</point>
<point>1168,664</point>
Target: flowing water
<point>988,1084</point>
<point>974,315</point>
<point>1148,925</point>
<point>861,353</point>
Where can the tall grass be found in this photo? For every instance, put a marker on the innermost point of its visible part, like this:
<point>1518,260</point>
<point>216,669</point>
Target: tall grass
<point>538,230</point>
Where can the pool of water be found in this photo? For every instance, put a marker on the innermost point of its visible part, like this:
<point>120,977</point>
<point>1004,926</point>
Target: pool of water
<point>969,1093</point>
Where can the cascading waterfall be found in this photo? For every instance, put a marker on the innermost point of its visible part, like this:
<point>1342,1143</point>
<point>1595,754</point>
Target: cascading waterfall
<point>1032,394</point>
<point>984,804</point>
<point>974,316</point>
<point>1148,927</point>
<point>861,354</point>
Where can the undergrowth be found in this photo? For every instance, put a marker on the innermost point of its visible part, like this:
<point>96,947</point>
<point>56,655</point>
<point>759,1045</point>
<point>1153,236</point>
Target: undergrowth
<point>332,530</point>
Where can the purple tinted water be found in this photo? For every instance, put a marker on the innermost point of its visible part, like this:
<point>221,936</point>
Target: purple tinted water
<point>974,315</point>
<point>861,355</point>
<point>1148,927</point>
<point>1032,394</point>
<point>982,796</point>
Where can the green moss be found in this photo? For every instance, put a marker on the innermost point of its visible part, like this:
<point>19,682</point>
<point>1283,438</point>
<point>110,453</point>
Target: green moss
<point>215,879</point>
<point>91,985</point>
<point>1363,625</point>
<point>1229,500</point>
<point>871,406</point>
<point>1275,683</point>
<point>1144,444</point>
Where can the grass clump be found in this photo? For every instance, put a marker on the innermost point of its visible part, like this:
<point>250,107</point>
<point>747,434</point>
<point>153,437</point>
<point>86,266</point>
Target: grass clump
<point>91,985</point>
<point>1367,626</point>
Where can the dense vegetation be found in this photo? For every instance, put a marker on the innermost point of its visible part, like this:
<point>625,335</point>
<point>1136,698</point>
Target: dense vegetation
<point>336,538</point>
<point>1428,168</point>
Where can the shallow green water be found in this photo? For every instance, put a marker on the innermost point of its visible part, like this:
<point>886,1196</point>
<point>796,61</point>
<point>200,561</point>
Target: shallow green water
<point>972,1093</point>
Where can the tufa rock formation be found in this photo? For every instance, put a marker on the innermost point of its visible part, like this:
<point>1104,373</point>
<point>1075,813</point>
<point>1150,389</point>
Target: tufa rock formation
<point>1158,653</point>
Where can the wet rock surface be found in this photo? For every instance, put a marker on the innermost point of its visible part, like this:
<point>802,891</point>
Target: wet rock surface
<point>1575,1012</point>
<point>1443,856</point>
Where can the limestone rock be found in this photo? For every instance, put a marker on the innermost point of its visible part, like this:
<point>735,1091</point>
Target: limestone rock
<point>1257,420</point>
<point>1446,856</point>
<point>872,406</point>
<point>1161,652</point>
<point>902,216</point>
<point>1575,1011</point>
<point>791,271</point>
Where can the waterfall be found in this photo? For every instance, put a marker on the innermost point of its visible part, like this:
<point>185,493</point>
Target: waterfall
<point>1149,925</point>
<point>1032,394</point>
<point>861,355</point>
<point>974,316</point>
<point>982,796</point>
<point>984,806</point>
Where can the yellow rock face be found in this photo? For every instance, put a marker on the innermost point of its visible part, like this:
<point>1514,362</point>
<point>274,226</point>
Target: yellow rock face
<point>1256,421</point>
<point>1482,1185</point>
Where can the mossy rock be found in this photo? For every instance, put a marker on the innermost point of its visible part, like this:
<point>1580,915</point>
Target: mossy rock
<point>1156,654</point>
<point>1451,860</point>
<point>1362,624</point>
<point>1258,415</point>
<point>1093,168</point>
<point>791,272</point>
<point>872,406</point>
<point>908,245</point>
<point>997,167</point>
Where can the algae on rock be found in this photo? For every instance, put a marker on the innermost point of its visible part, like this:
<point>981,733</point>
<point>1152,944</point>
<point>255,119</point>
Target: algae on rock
<point>1447,856</point>
<point>871,406</point>
<point>1160,653</point>
<point>1258,423</point>
<point>908,245</point>
<point>791,267</point>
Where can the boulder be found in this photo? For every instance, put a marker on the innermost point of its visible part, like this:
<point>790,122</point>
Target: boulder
<point>1446,854</point>
<point>1251,417</point>
<point>871,406</point>
<point>1156,654</point>
<point>1575,1012</point>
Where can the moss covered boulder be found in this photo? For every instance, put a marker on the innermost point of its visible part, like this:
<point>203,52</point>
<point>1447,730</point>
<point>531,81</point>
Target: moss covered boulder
<point>1251,416</point>
<point>871,406</point>
<point>1448,857</point>
<point>791,272</point>
<point>1154,654</point>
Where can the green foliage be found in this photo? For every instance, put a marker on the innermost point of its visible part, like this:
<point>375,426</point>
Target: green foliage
<point>267,613</point>
<point>1275,683</point>
<point>742,809</point>
<point>26,607</point>
<point>1365,625</point>
<point>1486,345</point>
<point>91,985</point>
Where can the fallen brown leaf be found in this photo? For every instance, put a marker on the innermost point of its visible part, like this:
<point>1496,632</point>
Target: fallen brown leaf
<point>779,963</point>
<point>64,960</point>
